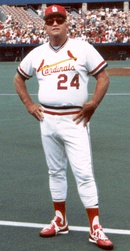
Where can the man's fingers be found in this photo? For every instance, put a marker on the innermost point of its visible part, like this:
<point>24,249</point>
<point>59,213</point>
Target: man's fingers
<point>38,113</point>
<point>78,116</point>
<point>78,119</point>
<point>85,122</point>
<point>41,108</point>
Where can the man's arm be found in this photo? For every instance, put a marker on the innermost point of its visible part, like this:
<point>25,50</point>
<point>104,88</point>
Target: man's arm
<point>90,107</point>
<point>33,108</point>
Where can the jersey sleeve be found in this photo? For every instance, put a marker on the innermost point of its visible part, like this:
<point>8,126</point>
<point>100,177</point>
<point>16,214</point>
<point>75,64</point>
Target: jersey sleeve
<point>26,68</point>
<point>95,62</point>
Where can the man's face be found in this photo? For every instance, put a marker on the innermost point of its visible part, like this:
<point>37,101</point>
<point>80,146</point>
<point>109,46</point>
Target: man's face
<point>56,25</point>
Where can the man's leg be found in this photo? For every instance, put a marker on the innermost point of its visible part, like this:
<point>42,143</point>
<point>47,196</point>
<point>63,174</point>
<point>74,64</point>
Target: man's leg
<point>57,163</point>
<point>80,157</point>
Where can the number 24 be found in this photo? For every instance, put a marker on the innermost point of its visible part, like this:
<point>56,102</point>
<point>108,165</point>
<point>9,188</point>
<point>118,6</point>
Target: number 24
<point>63,79</point>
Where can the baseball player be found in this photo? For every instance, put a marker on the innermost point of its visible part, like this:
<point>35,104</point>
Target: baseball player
<point>62,67</point>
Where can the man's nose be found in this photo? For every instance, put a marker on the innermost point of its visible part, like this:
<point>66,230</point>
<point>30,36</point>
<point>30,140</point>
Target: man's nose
<point>55,22</point>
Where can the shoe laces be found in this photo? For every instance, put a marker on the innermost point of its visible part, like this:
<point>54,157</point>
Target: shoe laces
<point>55,225</point>
<point>99,234</point>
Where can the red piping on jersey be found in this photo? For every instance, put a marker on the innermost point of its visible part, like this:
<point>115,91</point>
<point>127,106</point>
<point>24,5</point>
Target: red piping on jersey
<point>61,113</point>
<point>23,73</point>
<point>96,69</point>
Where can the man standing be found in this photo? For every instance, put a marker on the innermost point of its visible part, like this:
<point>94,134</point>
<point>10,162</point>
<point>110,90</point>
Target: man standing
<point>62,67</point>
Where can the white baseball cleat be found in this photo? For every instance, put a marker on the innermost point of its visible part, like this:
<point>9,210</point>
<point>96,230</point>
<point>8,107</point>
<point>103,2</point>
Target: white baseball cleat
<point>98,237</point>
<point>54,228</point>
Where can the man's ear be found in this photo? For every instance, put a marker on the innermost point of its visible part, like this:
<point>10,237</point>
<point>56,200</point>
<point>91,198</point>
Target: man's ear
<point>45,27</point>
<point>67,25</point>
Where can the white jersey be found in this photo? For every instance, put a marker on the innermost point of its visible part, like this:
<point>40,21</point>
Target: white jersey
<point>63,74</point>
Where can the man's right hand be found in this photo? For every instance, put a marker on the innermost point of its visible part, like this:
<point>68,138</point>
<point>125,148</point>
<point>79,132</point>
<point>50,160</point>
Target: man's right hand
<point>36,111</point>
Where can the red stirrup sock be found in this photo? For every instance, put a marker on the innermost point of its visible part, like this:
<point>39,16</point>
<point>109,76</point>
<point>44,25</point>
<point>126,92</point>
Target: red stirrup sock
<point>60,210</point>
<point>93,216</point>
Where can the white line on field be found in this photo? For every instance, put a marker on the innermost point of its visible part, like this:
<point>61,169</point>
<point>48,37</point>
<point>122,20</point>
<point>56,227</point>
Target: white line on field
<point>72,228</point>
<point>32,94</point>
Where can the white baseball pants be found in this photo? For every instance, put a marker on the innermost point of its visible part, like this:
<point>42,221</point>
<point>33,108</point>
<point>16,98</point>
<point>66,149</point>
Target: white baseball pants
<point>62,139</point>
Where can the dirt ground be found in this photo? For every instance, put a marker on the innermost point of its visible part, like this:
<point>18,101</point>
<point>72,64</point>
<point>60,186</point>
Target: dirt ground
<point>119,71</point>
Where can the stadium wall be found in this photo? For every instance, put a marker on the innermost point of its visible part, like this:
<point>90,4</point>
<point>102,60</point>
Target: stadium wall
<point>110,51</point>
<point>21,2</point>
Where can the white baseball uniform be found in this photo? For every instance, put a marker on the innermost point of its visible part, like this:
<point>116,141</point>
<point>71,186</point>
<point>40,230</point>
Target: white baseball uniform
<point>63,76</point>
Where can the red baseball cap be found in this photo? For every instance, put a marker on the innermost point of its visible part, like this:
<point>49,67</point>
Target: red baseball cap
<point>54,10</point>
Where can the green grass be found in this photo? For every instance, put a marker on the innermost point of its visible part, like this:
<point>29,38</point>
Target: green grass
<point>24,193</point>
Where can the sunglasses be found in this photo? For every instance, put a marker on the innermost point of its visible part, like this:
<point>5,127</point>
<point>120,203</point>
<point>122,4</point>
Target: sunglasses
<point>59,20</point>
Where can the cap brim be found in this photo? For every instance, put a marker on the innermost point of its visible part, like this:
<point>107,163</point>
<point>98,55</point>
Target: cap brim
<point>54,14</point>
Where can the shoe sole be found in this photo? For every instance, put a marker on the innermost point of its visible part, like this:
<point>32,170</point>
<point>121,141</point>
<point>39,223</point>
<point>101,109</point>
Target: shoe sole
<point>58,233</point>
<point>63,232</point>
<point>102,247</point>
<point>93,241</point>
